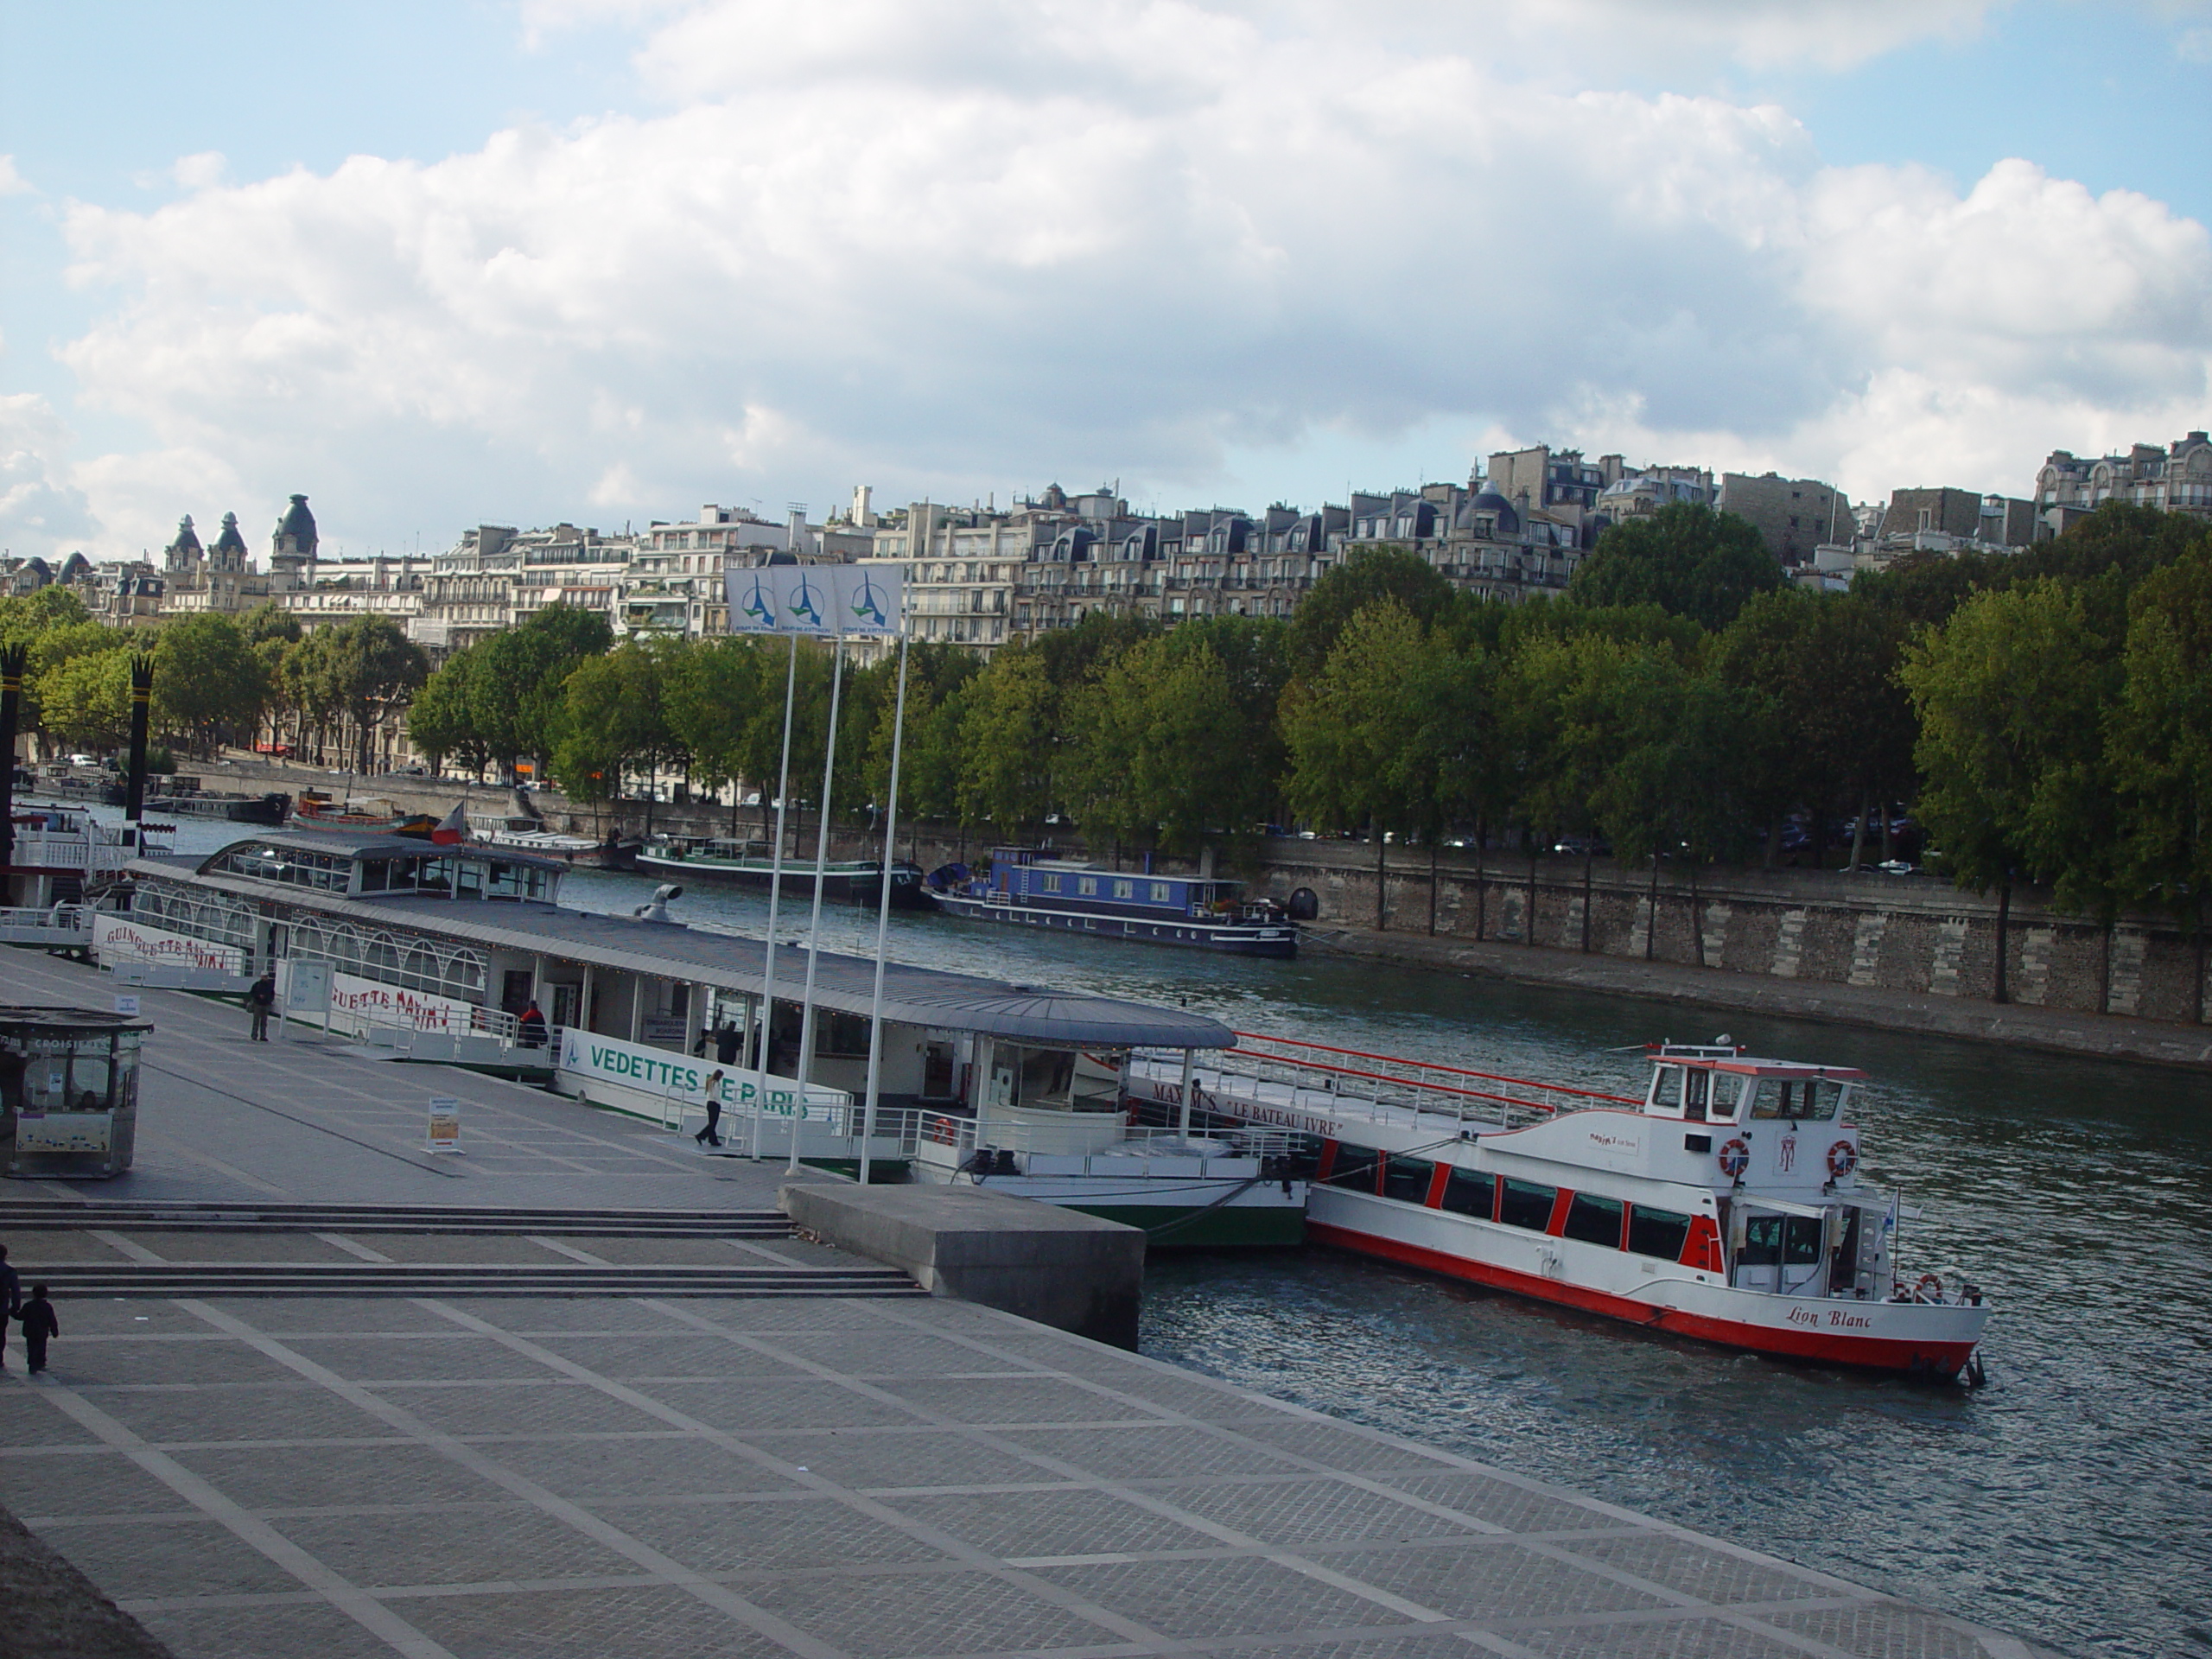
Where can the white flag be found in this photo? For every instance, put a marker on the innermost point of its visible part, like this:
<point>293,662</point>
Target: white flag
<point>817,599</point>
<point>870,598</point>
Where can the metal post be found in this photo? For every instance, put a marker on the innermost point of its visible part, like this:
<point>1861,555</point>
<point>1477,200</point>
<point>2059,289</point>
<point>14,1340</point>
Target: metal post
<point>813,924</point>
<point>776,890</point>
<point>13,659</point>
<point>883,916</point>
<point>142,697</point>
<point>1183,1119</point>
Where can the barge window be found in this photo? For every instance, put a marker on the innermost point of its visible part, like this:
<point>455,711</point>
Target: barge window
<point>1467,1193</point>
<point>1125,889</point>
<point>1087,885</point>
<point>1408,1178</point>
<point>1161,892</point>
<point>1527,1204</point>
<point>1354,1168</point>
<point>1594,1220</point>
<point>1051,884</point>
<point>1657,1232</point>
<point>507,881</point>
<point>1762,1242</point>
<point>1801,1240</point>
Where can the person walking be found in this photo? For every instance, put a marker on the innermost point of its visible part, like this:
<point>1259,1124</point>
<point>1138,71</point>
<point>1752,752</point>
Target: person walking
<point>710,1136</point>
<point>531,1032</point>
<point>11,1299</point>
<point>39,1325</point>
<point>260,1002</point>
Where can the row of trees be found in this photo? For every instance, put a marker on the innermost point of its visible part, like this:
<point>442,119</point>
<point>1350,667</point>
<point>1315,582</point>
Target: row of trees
<point>217,679</point>
<point>2047,717</point>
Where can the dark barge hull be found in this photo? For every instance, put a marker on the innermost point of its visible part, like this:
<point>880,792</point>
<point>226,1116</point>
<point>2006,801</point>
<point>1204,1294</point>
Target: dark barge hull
<point>1236,940</point>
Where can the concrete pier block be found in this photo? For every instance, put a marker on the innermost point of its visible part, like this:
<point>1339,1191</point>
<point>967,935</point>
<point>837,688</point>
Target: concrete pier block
<point>1072,1272</point>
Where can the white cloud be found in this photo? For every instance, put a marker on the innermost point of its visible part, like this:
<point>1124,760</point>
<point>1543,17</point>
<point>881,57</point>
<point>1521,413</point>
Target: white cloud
<point>41,513</point>
<point>201,171</point>
<point>13,183</point>
<point>945,248</point>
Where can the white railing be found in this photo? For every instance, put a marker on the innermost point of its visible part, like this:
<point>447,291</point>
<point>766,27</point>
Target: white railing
<point>960,1136</point>
<point>62,924</point>
<point>479,1036</point>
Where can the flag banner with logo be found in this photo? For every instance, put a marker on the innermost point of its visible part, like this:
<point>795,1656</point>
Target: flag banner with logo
<point>818,598</point>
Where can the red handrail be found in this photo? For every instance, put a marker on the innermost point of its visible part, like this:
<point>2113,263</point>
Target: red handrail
<point>1430,1066</point>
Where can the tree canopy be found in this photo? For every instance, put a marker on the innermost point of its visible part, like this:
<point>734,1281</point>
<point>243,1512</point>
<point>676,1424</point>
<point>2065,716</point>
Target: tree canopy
<point>1686,558</point>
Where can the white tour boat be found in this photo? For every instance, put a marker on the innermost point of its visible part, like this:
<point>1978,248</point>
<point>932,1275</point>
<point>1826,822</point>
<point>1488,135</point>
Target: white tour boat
<point>1724,1204</point>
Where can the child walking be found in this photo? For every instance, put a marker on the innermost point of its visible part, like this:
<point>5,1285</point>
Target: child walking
<point>38,1325</point>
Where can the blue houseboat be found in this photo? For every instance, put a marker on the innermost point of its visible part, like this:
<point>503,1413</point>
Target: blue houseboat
<point>1030,889</point>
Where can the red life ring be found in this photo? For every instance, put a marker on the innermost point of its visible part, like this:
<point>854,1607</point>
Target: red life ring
<point>1735,1156</point>
<point>1843,1158</point>
<point>941,1131</point>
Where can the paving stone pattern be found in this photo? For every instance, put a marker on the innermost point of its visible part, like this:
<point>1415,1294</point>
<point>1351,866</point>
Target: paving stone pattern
<point>471,1477</point>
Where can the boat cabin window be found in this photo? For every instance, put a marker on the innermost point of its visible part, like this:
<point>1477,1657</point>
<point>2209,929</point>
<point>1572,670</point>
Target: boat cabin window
<point>1806,1100</point>
<point>1087,885</point>
<point>1355,1168</point>
<point>1762,1242</point>
<point>1161,892</point>
<point>1527,1204</point>
<point>296,866</point>
<point>1467,1193</point>
<point>1051,884</point>
<point>1408,1178</point>
<point>1801,1240</point>
<point>1657,1232</point>
<point>1594,1220</point>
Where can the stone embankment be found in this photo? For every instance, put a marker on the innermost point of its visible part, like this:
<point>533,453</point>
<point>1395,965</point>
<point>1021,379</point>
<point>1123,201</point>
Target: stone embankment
<point>1904,952</point>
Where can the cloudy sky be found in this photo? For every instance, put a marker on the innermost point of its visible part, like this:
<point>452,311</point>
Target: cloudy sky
<point>439,261</point>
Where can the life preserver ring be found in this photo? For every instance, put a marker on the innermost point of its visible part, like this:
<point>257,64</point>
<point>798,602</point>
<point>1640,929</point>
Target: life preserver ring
<point>1735,1156</point>
<point>941,1131</point>
<point>1843,1158</point>
<point>1930,1289</point>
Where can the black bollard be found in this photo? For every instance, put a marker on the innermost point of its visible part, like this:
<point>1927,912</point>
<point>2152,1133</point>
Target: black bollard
<point>12,660</point>
<point>142,697</point>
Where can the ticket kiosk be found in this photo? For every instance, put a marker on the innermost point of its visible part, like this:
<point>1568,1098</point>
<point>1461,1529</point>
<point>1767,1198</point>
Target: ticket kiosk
<point>69,1091</point>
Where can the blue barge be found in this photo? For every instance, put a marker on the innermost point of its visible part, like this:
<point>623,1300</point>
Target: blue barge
<point>1029,887</point>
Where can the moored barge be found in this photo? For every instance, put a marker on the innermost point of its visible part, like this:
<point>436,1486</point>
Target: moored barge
<point>1029,887</point>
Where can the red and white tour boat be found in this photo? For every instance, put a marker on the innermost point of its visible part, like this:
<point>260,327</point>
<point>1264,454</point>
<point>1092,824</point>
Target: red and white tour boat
<point>1724,1205</point>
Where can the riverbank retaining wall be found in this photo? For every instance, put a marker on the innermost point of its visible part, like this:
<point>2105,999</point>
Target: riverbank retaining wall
<point>1907,933</point>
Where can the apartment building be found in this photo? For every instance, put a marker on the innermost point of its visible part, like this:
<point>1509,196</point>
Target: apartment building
<point>1794,515</point>
<point>2176,477</point>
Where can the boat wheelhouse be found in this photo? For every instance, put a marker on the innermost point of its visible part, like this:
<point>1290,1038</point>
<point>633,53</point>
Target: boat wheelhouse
<point>1029,887</point>
<point>1726,1204</point>
<point>730,862</point>
<point>437,952</point>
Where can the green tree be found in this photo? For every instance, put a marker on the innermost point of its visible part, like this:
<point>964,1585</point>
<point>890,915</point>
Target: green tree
<point>23,617</point>
<point>1364,579</point>
<point>713,693</point>
<point>438,720</point>
<point>1686,558</point>
<point>86,699</point>
<point>372,671</point>
<point>1008,733</point>
<point>938,676</point>
<point>2012,696</point>
<point>613,722</point>
<point>209,684</point>
<point>515,689</point>
<point>2159,741</point>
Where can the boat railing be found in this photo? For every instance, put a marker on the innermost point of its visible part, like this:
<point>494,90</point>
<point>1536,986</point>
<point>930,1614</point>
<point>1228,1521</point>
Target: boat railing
<point>49,924</point>
<point>961,1136</point>
<point>1386,1086</point>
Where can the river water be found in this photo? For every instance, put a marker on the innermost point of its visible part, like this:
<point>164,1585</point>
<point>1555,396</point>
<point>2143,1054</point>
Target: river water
<point>2070,1501</point>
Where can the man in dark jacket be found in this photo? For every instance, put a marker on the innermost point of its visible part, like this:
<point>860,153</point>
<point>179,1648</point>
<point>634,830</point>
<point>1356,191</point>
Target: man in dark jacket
<point>725,1040</point>
<point>260,1002</point>
<point>531,1032</point>
<point>39,1324</point>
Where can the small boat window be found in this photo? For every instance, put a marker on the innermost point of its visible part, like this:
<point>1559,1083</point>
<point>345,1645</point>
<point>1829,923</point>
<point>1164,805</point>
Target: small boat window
<point>1697,1091</point>
<point>374,874</point>
<point>1467,1193</point>
<point>1657,1232</point>
<point>507,881</point>
<point>1051,884</point>
<point>1161,892</point>
<point>1801,1240</point>
<point>1125,889</point>
<point>1808,1099</point>
<point>1086,886</point>
<point>1408,1178</point>
<point>1666,1084</point>
<point>468,879</point>
<point>1354,1168</point>
<point>1527,1204</point>
<point>1594,1220</point>
<point>434,875</point>
<point>1762,1242</point>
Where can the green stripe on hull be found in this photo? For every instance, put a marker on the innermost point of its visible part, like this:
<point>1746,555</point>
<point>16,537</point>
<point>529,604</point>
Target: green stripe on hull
<point>1170,1227</point>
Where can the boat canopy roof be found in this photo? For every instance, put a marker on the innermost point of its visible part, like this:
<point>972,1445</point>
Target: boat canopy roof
<point>730,962</point>
<point>365,847</point>
<point>1745,1066</point>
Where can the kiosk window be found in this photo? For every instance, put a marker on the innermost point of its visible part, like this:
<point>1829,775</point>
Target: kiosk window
<point>1469,1194</point>
<point>1657,1232</point>
<point>1355,1168</point>
<point>1408,1178</point>
<point>1525,1203</point>
<point>1594,1221</point>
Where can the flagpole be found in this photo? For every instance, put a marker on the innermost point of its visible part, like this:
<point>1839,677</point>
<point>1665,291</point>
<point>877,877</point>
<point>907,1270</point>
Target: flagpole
<point>814,925</point>
<point>883,913</point>
<point>775,898</point>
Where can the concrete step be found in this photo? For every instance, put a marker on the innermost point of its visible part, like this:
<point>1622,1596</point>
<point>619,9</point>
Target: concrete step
<point>462,1279</point>
<point>34,1214</point>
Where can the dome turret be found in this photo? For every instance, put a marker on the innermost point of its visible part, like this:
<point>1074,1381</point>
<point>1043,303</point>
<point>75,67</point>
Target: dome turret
<point>231,542</point>
<point>295,535</point>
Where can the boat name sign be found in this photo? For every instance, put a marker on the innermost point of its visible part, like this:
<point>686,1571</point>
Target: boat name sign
<point>658,1071</point>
